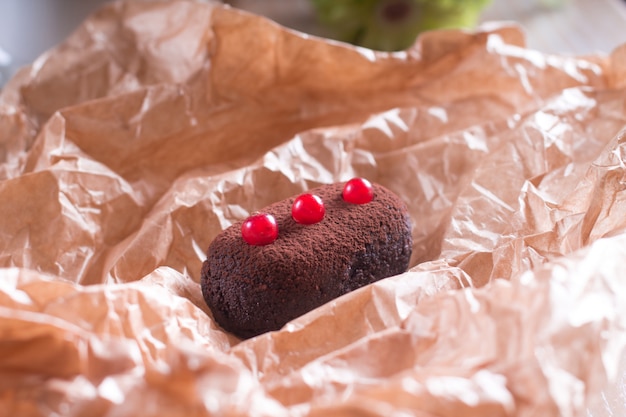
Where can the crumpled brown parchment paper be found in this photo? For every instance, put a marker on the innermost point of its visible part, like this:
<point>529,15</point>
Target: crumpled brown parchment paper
<point>127,148</point>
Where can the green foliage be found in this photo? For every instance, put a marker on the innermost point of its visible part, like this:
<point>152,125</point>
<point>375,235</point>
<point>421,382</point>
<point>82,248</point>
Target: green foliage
<point>394,24</point>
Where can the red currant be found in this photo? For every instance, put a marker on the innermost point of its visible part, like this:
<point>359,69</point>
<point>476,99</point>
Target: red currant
<point>259,229</point>
<point>308,209</point>
<point>358,191</point>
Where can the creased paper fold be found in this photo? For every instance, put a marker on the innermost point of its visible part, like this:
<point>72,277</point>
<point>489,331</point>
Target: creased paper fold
<point>155,125</point>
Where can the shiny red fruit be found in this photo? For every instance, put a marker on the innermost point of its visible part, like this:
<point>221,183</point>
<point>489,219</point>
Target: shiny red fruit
<point>358,191</point>
<point>259,229</point>
<point>308,209</point>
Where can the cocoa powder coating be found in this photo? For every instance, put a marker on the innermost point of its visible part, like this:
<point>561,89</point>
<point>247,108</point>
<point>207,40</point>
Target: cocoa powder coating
<point>255,289</point>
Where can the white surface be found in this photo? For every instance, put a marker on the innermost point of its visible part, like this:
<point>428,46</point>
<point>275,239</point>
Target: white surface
<point>30,27</point>
<point>573,27</point>
<point>576,27</point>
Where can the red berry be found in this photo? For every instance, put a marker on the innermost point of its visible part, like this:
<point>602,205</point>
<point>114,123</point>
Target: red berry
<point>358,191</point>
<point>308,209</point>
<point>259,229</point>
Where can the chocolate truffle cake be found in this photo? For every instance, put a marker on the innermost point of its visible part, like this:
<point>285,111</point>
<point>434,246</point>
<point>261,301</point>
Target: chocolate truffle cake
<point>300,253</point>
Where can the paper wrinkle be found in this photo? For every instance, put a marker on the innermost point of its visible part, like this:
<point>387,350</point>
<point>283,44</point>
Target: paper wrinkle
<point>127,148</point>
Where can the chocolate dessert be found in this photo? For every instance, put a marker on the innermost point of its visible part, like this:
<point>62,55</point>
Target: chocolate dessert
<point>302,252</point>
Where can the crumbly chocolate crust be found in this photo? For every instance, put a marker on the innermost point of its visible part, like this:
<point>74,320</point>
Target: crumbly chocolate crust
<point>255,289</point>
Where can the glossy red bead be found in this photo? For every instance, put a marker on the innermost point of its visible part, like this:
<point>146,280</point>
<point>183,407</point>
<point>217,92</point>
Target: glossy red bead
<point>259,229</point>
<point>308,209</point>
<point>358,191</point>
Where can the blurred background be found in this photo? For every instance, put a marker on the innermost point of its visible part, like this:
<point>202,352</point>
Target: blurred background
<point>30,27</point>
